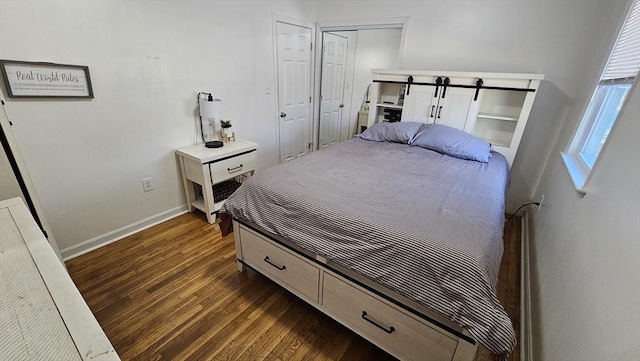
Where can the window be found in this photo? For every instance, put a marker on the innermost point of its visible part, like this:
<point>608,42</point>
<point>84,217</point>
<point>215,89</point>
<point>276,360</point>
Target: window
<point>607,101</point>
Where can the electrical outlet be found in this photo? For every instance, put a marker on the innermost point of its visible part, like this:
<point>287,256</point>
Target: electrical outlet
<point>146,184</point>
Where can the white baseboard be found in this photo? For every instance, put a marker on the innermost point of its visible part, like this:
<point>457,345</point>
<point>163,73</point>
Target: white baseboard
<point>107,238</point>
<point>526,342</point>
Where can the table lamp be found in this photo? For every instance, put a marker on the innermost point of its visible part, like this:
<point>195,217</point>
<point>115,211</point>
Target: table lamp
<point>210,109</point>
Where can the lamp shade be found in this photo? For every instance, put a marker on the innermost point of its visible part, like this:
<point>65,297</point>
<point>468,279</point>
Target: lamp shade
<point>210,108</point>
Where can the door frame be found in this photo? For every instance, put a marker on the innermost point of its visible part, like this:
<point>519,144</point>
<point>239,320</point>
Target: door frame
<point>347,25</point>
<point>275,19</point>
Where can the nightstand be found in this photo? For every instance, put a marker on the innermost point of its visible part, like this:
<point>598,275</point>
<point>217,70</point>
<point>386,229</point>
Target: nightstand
<point>214,172</point>
<point>363,121</point>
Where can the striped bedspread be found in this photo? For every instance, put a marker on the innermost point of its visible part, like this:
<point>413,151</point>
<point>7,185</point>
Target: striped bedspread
<point>425,225</point>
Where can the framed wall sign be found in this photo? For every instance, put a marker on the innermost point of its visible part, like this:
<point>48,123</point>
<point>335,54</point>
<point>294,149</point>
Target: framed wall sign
<point>35,79</point>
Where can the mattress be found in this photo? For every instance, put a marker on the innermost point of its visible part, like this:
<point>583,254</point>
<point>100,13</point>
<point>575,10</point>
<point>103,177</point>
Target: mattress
<point>422,224</point>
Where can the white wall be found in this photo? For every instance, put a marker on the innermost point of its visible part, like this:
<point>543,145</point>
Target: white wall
<point>549,37</point>
<point>147,62</point>
<point>586,255</point>
<point>586,251</point>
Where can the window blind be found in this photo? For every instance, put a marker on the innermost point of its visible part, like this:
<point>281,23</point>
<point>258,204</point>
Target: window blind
<point>625,58</point>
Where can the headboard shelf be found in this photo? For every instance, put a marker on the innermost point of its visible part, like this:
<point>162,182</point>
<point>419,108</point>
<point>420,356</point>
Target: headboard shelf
<point>492,106</point>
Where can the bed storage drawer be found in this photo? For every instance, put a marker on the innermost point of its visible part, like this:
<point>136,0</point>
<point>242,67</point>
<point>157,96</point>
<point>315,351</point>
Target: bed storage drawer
<point>229,168</point>
<point>280,264</point>
<point>384,324</point>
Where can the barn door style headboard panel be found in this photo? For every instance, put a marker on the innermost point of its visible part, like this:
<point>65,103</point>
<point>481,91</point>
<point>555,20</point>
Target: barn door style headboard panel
<point>491,106</point>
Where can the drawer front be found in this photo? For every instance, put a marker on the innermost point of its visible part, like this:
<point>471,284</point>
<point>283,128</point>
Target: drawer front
<point>229,168</point>
<point>384,324</point>
<point>280,264</point>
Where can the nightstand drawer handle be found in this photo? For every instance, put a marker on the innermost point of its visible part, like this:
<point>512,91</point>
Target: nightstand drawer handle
<point>281,268</point>
<point>389,330</point>
<point>231,170</point>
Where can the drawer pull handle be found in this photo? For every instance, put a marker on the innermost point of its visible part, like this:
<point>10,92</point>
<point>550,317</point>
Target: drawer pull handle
<point>281,268</point>
<point>387,330</point>
<point>231,170</point>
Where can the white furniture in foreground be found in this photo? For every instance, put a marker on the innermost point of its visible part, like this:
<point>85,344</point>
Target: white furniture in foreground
<point>42,314</point>
<point>491,106</point>
<point>205,169</point>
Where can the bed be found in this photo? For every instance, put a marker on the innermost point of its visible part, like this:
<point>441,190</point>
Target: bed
<point>400,243</point>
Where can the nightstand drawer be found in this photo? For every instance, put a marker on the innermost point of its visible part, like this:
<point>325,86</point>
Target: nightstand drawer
<point>279,264</point>
<point>235,166</point>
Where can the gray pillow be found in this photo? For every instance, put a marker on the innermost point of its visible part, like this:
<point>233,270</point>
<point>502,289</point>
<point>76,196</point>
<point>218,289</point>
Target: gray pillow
<point>398,132</point>
<point>453,142</point>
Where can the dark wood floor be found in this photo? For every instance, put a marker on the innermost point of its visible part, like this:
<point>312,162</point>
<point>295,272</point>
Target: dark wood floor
<point>172,292</point>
